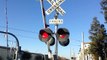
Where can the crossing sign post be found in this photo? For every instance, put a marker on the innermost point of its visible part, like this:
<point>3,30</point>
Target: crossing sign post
<point>55,5</point>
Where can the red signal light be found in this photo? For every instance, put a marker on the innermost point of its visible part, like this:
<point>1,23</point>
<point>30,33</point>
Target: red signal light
<point>62,35</point>
<point>45,35</point>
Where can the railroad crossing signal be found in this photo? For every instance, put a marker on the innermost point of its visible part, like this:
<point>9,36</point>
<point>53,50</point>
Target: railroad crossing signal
<point>63,36</point>
<point>55,5</point>
<point>46,35</point>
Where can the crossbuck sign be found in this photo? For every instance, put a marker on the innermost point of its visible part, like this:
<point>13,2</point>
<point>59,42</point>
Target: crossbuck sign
<point>55,5</point>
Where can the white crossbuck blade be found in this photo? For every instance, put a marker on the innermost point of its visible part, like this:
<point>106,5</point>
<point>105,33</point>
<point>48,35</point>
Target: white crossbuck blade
<point>55,5</point>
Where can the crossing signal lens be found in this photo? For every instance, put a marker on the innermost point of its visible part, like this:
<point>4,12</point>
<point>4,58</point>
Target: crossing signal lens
<point>45,35</point>
<point>63,36</point>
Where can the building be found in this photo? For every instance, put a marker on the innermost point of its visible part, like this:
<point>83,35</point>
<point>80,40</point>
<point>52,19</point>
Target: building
<point>83,53</point>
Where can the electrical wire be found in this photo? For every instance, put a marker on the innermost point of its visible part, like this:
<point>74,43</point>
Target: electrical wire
<point>26,37</point>
<point>19,30</point>
<point>22,31</point>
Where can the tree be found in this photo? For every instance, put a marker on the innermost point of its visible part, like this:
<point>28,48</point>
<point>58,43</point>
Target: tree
<point>97,36</point>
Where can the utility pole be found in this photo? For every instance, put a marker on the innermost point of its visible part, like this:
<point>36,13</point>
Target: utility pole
<point>83,46</point>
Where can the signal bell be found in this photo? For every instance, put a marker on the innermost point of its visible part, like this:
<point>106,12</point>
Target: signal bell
<point>63,36</point>
<point>46,35</point>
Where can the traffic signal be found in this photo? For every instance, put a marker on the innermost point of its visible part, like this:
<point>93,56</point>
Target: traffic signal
<point>46,35</point>
<point>63,36</point>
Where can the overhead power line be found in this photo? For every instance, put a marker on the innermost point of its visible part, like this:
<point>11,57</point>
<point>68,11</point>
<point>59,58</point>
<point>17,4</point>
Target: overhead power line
<point>26,37</point>
<point>20,30</point>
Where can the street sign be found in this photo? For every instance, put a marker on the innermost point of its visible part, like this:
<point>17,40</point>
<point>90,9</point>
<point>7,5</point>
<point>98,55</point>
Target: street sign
<point>56,21</point>
<point>55,5</point>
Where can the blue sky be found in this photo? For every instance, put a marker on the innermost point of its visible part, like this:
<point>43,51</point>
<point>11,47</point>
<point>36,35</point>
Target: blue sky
<point>25,21</point>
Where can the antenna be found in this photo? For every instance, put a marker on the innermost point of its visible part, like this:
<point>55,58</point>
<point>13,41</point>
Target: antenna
<point>6,21</point>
